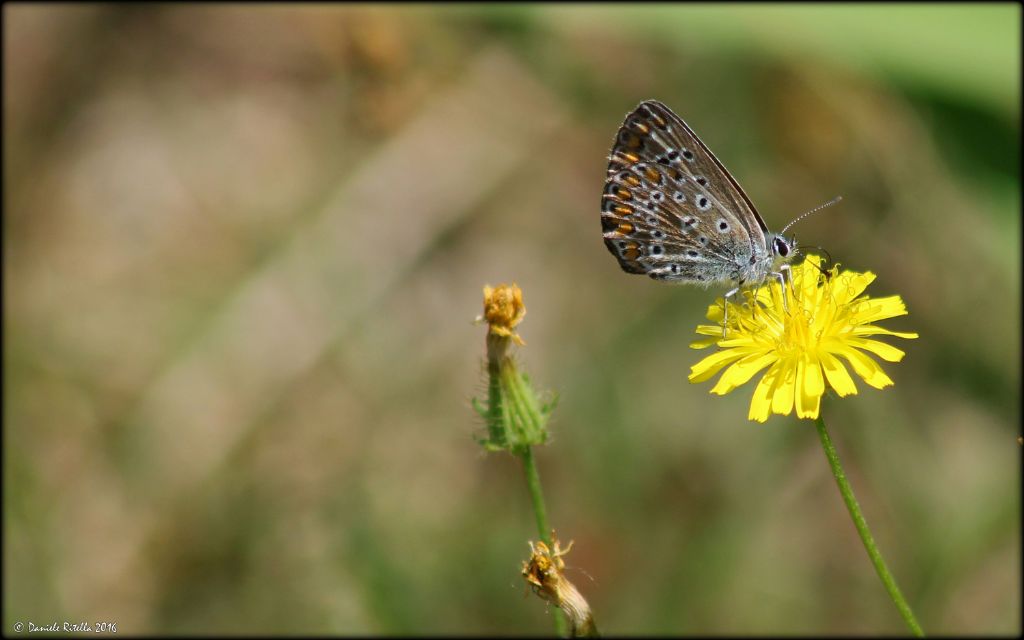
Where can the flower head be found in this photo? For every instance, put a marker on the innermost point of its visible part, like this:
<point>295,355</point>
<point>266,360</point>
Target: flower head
<point>802,340</point>
<point>503,310</point>
<point>516,413</point>
<point>544,572</point>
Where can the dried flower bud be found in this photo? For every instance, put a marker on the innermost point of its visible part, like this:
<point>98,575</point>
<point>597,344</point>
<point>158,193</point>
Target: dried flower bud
<point>503,310</point>
<point>544,572</point>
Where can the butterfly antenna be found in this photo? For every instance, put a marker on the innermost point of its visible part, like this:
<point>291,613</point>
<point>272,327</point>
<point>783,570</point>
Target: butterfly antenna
<point>814,210</point>
<point>828,256</point>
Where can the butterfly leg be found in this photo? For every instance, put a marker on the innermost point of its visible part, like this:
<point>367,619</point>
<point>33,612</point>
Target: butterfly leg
<point>784,276</point>
<point>725,308</point>
<point>782,286</point>
<point>755,300</point>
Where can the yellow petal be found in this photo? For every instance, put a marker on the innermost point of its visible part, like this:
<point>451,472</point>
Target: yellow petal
<point>872,330</point>
<point>709,330</point>
<point>714,363</point>
<point>809,387</point>
<point>849,285</point>
<point>811,259</point>
<point>742,371</point>
<point>715,312</point>
<point>838,378</point>
<point>811,407</point>
<point>866,368</point>
<point>785,389</point>
<point>761,402</point>
<point>874,309</point>
<point>814,382</point>
<point>704,343</point>
<point>884,351</point>
<point>808,290</point>
<point>738,340</point>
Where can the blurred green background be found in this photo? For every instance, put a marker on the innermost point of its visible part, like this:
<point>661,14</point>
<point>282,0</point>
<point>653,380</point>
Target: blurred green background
<point>244,246</point>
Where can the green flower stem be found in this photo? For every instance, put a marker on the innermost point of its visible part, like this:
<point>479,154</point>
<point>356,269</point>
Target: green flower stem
<point>865,534</point>
<point>514,421</point>
<point>541,514</point>
<point>537,495</point>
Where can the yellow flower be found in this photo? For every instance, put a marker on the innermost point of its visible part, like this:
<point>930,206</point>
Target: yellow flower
<point>803,343</point>
<point>503,310</point>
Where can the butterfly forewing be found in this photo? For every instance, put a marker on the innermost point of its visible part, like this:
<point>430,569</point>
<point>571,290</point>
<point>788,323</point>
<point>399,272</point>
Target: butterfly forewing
<point>670,209</point>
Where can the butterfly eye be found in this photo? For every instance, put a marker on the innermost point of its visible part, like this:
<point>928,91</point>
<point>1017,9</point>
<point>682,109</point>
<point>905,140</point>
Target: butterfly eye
<point>781,247</point>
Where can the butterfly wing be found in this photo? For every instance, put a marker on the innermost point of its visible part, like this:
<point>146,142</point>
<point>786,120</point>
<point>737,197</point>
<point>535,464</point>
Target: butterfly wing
<point>670,208</point>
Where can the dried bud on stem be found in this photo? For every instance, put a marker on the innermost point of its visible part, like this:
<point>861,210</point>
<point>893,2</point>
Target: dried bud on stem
<point>544,572</point>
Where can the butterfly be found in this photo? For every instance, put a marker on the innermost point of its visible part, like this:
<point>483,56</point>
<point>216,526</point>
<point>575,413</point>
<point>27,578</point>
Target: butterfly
<point>671,209</point>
